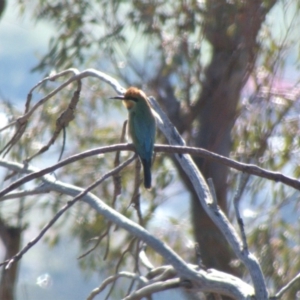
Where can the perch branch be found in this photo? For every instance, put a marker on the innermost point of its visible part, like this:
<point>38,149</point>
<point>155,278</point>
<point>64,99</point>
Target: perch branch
<point>247,168</point>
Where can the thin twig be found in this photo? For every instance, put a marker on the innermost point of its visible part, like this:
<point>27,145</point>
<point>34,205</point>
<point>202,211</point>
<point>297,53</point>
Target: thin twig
<point>21,122</point>
<point>119,263</point>
<point>77,76</point>
<point>64,138</point>
<point>162,273</point>
<point>117,177</point>
<point>135,199</point>
<point>19,130</point>
<point>99,239</point>
<point>136,265</point>
<point>242,183</point>
<point>62,122</point>
<point>107,243</point>
<point>287,287</point>
<point>144,258</point>
<point>154,288</point>
<point>113,278</point>
<point>42,189</point>
<point>199,256</point>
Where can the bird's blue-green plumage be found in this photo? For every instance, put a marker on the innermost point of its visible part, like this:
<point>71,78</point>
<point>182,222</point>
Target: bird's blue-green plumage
<point>142,128</point>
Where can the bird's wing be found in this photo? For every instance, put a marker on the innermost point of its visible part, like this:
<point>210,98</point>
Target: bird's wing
<point>142,136</point>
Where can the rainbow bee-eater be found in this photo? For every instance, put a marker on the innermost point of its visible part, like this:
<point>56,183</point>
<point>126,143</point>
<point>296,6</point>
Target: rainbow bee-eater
<point>141,127</point>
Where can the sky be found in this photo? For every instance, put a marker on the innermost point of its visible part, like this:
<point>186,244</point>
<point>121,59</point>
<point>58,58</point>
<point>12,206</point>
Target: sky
<point>22,41</point>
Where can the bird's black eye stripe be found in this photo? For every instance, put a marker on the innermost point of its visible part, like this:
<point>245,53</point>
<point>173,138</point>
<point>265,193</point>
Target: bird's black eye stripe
<point>133,99</point>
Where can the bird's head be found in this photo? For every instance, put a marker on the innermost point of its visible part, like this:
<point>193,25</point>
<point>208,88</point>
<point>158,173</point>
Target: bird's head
<point>133,97</point>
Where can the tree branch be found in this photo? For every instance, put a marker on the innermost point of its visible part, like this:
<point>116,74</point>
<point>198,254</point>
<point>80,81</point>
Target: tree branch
<point>247,168</point>
<point>63,210</point>
<point>113,278</point>
<point>286,287</point>
<point>76,77</point>
<point>22,121</point>
<point>206,281</point>
<point>211,209</point>
<point>42,189</point>
<point>229,285</point>
<point>236,201</point>
<point>153,288</point>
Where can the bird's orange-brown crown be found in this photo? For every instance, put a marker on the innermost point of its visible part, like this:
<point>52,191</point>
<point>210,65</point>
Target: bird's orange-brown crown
<point>134,92</point>
<point>132,96</point>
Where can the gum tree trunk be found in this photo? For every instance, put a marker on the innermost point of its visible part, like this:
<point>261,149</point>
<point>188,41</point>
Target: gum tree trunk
<point>11,238</point>
<point>232,31</point>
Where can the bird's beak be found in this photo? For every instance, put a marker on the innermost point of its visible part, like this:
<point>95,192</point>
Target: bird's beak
<point>119,97</point>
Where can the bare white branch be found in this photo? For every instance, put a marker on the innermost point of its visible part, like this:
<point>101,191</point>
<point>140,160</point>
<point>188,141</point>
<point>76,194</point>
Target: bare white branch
<point>287,287</point>
<point>207,203</point>
<point>42,189</point>
<point>205,281</point>
<point>113,278</point>
<point>153,288</point>
<point>144,259</point>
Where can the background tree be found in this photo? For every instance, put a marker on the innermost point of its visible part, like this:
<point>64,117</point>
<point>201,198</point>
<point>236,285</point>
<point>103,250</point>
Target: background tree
<point>200,92</point>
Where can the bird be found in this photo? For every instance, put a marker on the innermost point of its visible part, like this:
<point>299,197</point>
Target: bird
<point>141,127</point>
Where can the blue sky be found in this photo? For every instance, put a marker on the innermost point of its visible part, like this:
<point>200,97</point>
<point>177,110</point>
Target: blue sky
<point>21,43</point>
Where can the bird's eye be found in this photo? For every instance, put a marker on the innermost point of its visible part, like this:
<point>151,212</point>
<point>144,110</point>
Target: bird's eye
<point>133,99</point>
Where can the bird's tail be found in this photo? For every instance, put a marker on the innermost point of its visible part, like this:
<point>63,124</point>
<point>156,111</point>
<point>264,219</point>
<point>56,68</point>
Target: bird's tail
<point>147,173</point>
